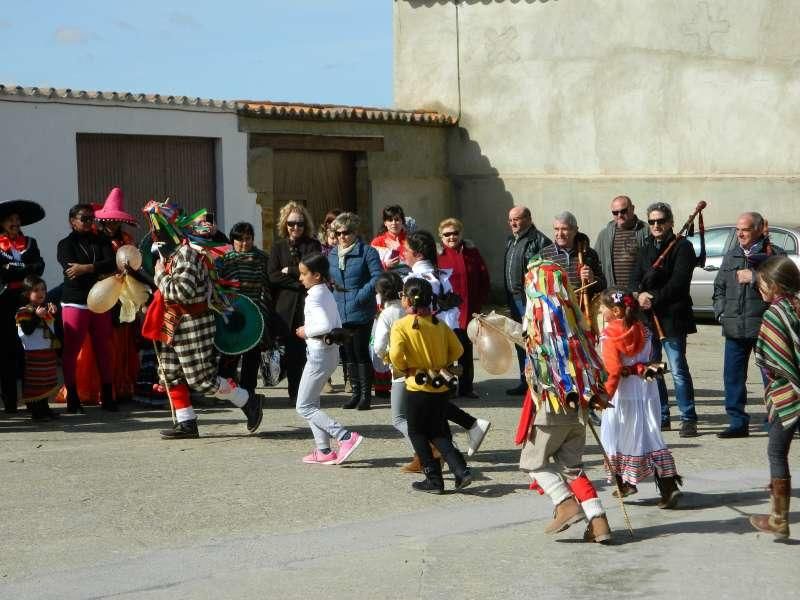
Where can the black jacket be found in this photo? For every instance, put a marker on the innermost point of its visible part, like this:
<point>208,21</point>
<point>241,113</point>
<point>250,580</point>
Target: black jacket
<point>13,272</point>
<point>287,291</point>
<point>84,249</point>
<point>669,285</point>
<point>738,306</point>
<point>518,254</point>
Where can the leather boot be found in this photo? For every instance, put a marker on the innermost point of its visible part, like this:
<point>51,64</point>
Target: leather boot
<point>566,513</point>
<point>35,411</point>
<point>458,467</point>
<point>47,411</point>
<point>433,482</point>
<point>355,387</point>
<point>181,431</point>
<point>73,401</point>
<point>415,466</point>
<point>626,488</point>
<point>365,377</point>
<point>348,388</point>
<point>598,530</point>
<point>107,400</point>
<point>777,522</point>
<point>670,494</point>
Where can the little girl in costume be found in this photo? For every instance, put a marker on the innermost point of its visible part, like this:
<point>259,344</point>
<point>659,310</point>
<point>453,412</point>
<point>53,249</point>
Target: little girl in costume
<point>419,345</point>
<point>35,326</point>
<point>321,319</point>
<point>631,427</point>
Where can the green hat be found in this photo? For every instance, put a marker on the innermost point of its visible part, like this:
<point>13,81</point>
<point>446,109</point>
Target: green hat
<point>240,330</point>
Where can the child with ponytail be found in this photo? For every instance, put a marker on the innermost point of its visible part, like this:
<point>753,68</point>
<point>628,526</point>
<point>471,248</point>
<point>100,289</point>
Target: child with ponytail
<point>631,426</point>
<point>421,346</point>
<point>321,318</point>
<point>777,352</point>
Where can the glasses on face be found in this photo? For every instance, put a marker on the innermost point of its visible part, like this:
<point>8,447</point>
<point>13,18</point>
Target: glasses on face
<point>295,224</point>
<point>343,233</point>
<point>656,221</point>
<point>620,212</point>
<point>451,233</point>
<point>86,218</point>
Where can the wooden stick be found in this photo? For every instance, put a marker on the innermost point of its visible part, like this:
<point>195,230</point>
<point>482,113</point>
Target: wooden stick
<point>616,482</point>
<point>586,287</point>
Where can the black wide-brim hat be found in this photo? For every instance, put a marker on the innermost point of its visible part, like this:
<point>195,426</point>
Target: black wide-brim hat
<point>29,211</point>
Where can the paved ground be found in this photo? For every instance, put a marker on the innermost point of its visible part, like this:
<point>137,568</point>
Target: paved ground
<point>97,506</point>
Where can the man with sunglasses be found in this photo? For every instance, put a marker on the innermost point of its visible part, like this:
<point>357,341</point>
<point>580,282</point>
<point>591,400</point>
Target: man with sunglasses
<point>663,294</point>
<point>619,243</point>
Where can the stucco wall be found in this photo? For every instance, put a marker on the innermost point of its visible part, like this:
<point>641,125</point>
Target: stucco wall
<point>410,171</point>
<point>38,158</point>
<point>566,103</point>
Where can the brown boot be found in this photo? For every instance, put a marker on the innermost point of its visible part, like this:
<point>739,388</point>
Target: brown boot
<point>598,530</point>
<point>566,513</point>
<point>415,466</point>
<point>777,522</point>
<point>670,494</point>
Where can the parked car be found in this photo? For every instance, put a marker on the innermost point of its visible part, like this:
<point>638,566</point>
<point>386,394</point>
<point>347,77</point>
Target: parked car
<point>720,239</point>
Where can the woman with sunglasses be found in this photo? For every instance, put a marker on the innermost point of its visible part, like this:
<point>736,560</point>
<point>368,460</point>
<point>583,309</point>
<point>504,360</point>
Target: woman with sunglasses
<point>664,294</point>
<point>296,231</point>
<point>469,277</point>
<point>85,258</point>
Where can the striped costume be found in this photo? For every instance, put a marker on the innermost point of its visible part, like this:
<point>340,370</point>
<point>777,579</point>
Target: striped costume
<point>41,363</point>
<point>777,351</point>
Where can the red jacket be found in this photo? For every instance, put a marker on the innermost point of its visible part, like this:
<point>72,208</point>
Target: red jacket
<point>618,343</point>
<point>469,278</point>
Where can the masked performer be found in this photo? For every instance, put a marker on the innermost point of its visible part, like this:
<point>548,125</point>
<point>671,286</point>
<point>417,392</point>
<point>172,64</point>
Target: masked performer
<point>182,320</point>
<point>565,378</point>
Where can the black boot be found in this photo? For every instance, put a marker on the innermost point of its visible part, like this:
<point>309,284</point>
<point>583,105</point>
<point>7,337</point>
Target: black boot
<point>107,401</point>
<point>458,467</point>
<point>365,377</point>
<point>254,412</point>
<point>46,410</point>
<point>39,410</point>
<point>183,430</point>
<point>433,482</point>
<point>9,392</point>
<point>668,488</point>
<point>73,401</point>
<point>355,384</point>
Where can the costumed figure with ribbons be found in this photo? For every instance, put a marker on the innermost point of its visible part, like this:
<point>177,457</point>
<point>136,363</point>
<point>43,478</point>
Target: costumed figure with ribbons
<point>631,428</point>
<point>565,377</point>
<point>182,317</point>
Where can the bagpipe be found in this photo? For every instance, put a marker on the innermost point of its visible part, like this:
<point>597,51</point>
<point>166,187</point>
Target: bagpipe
<point>656,269</point>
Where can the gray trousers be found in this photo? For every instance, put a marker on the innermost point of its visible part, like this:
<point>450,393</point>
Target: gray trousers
<point>398,403</point>
<point>320,364</point>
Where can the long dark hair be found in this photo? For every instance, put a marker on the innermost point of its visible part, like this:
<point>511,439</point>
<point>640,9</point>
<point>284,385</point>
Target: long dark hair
<point>419,295</point>
<point>317,263</point>
<point>388,285</point>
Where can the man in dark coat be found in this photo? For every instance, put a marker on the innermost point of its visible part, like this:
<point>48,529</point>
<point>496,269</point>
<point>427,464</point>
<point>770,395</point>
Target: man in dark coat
<point>522,245</point>
<point>738,306</point>
<point>664,294</point>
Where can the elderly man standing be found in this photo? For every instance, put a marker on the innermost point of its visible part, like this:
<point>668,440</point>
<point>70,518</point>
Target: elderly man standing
<point>738,306</point>
<point>571,250</point>
<point>524,243</point>
<point>664,292</point>
<point>619,243</point>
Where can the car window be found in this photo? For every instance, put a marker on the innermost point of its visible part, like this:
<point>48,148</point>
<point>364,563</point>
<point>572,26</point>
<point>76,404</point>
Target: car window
<point>783,239</point>
<point>715,241</point>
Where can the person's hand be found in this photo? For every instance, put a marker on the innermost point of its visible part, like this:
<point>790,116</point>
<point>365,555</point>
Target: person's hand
<point>300,332</point>
<point>159,266</point>
<point>586,273</point>
<point>76,270</point>
<point>646,300</point>
<point>393,260</point>
<point>744,276</point>
<point>285,270</point>
<point>51,308</point>
<point>41,312</point>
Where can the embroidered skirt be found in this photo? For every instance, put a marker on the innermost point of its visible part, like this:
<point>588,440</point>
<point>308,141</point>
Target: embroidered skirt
<point>41,375</point>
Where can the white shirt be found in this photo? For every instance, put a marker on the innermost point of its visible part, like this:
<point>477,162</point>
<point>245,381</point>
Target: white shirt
<point>321,315</point>
<point>423,269</point>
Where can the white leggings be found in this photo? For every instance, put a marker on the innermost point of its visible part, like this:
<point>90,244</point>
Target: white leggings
<point>320,364</point>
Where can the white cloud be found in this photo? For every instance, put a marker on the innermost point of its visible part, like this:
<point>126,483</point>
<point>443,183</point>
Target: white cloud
<point>72,35</point>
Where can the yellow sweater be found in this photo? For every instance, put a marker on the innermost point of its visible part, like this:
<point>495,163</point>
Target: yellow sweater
<point>429,347</point>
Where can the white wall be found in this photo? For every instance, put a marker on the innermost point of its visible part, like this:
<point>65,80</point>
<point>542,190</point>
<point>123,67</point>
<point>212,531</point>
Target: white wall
<point>38,158</point>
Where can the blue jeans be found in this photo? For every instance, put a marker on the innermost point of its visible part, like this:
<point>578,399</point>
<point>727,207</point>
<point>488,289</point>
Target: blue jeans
<point>517,308</point>
<point>675,349</point>
<point>737,355</point>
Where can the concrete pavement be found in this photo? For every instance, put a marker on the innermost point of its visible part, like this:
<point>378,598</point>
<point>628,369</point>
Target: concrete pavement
<point>97,506</point>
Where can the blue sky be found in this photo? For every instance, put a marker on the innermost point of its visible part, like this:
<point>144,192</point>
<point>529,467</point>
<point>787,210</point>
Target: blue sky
<point>330,51</point>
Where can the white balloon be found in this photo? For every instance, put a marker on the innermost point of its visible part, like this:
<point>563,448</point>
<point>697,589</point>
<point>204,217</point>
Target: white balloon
<point>129,255</point>
<point>496,352</point>
<point>104,294</point>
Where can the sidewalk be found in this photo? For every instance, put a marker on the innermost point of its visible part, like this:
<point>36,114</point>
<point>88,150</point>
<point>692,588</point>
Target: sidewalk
<point>98,506</point>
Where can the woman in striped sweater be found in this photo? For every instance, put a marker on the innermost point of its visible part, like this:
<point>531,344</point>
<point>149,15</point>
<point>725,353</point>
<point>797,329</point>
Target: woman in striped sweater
<point>777,351</point>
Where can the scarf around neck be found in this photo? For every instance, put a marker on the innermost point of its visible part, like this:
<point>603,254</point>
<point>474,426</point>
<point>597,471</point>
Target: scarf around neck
<point>343,252</point>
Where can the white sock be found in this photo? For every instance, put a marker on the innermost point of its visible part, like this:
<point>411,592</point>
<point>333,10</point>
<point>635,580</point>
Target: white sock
<point>552,485</point>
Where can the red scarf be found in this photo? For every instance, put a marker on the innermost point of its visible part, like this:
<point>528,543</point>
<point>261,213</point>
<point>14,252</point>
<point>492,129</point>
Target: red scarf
<point>19,243</point>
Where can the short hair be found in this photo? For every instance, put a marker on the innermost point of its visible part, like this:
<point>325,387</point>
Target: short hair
<point>347,220</point>
<point>241,229</point>
<point>568,218</point>
<point>294,207</point>
<point>661,207</point>
<point>451,222</point>
<point>73,211</point>
<point>526,212</point>
<point>758,219</point>
<point>626,198</point>
<point>392,211</point>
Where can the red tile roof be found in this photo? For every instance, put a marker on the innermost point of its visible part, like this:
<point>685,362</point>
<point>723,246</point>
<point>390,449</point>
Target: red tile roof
<point>333,112</point>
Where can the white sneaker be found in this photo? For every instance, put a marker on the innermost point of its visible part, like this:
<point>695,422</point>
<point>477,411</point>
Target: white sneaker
<point>476,434</point>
